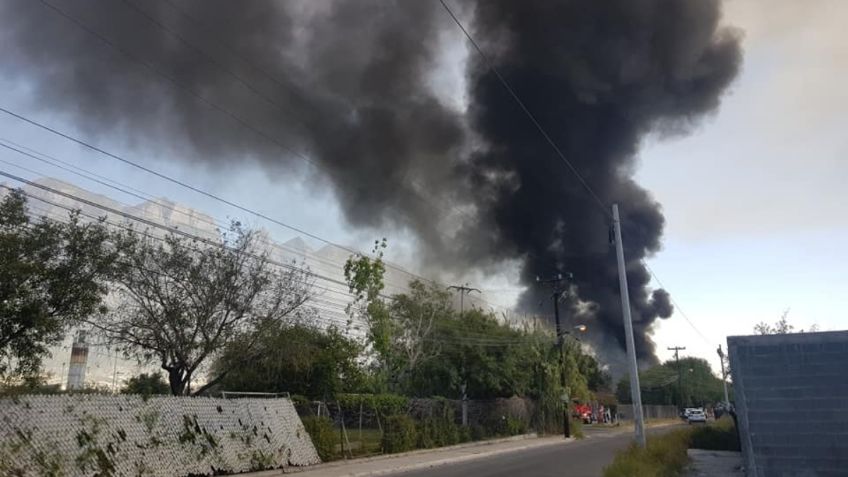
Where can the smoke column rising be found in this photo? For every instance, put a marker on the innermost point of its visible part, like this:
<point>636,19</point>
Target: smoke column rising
<point>343,92</point>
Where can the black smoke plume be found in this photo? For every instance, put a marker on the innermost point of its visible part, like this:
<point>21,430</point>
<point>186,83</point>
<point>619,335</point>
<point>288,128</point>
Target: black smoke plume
<point>345,93</point>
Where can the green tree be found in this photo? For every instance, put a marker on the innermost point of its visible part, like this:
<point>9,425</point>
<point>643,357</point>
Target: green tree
<point>52,274</point>
<point>183,300</point>
<point>294,358</point>
<point>365,278</point>
<point>414,316</point>
<point>660,384</point>
<point>146,385</point>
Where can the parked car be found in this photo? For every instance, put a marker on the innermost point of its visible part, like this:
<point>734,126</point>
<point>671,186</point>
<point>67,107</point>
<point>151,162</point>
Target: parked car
<point>696,415</point>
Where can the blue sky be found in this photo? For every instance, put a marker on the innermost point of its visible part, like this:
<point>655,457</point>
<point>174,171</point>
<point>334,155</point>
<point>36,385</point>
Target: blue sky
<point>754,197</point>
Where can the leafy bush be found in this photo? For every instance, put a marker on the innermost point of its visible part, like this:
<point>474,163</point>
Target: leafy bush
<point>147,385</point>
<point>323,434</point>
<point>664,455</point>
<point>719,436</point>
<point>399,434</point>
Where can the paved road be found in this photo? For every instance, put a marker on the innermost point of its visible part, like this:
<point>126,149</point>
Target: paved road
<point>583,458</point>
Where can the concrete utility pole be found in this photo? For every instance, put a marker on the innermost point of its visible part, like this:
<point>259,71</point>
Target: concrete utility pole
<point>676,350</point>
<point>556,281</point>
<point>723,377</point>
<point>635,390</point>
<point>463,290</point>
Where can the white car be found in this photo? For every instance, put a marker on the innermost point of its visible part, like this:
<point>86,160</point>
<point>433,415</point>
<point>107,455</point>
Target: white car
<point>696,415</point>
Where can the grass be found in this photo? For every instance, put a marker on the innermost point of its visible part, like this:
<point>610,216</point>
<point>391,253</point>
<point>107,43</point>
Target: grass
<point>360,445</point>
<point>720,435</point>
<point>665,455</point>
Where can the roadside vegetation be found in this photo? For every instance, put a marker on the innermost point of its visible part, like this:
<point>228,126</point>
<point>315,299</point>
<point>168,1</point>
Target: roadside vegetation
<point>665,454</point>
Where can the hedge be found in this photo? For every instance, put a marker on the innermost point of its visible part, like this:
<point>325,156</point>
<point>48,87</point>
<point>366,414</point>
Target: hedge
<point>399,434</point>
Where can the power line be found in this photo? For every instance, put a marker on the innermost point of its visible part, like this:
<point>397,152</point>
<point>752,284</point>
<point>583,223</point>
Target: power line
<point>491,66</point>
<point>339,307</point>
<point>468,337</point>
<point>206,193</point>
<point>328,306</point>
<point>147,197</point>
<point>677,306</point>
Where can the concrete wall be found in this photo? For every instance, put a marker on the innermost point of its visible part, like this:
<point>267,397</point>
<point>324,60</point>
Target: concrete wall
<point>792,402</point>
<point>87,435</point>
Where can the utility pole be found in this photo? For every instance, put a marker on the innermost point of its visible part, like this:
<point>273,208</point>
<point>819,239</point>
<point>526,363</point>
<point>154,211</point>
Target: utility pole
<point>635,390</point>
<point>677,350</point>
<point>115,374</point>
<point>723,378</point>
<point>556,281</point>
<point>463,290</point>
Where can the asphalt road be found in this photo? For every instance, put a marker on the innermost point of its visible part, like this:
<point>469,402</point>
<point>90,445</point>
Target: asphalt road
<point>583,458</point>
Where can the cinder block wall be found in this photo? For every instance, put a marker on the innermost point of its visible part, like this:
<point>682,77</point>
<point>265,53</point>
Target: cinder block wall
<point>792,402</point>
<point>84,435</point>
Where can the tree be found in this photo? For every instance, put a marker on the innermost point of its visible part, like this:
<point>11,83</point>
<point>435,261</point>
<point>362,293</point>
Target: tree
<point>597,379</point>
<point>146,385</point>
<point>414,315</point>
<point>781,327</point>
<point>51,275</point>
<point>294,358</point>
<point>182,300</point>
<point>365,278</point>
<point>489,356</point>
<point>660,384</point>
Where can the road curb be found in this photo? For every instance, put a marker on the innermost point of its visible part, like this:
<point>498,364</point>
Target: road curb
<point>536,443</point>
<point>345,462</point>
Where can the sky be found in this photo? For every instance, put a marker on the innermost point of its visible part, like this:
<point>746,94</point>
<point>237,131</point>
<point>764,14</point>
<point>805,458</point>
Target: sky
<point>753,197</point>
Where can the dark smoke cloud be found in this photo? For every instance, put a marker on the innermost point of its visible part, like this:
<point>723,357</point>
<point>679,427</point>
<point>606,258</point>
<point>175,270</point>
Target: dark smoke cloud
<point>349,85</point>
<point>599,75</point>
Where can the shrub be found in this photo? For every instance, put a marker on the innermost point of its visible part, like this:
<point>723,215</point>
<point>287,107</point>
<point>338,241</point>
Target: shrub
<point>437,432</point>
<point>506,426</point>
<point>664,455</point>
<point>577,429</point>
<point>465,434</point>
<point>399,434</point>
<point>477,432</point>
<point>323,434</point>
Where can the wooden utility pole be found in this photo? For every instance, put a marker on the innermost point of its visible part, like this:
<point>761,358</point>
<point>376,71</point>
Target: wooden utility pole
<point>677,350</point>
<point>556,281</point>
<point>463,290</point>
